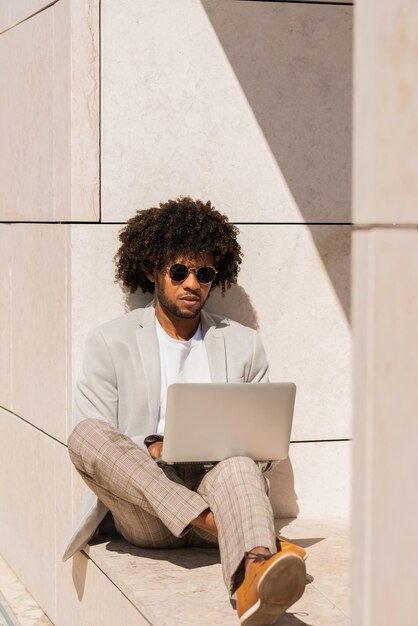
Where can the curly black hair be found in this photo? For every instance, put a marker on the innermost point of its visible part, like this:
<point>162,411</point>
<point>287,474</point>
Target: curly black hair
<point>183,227</point>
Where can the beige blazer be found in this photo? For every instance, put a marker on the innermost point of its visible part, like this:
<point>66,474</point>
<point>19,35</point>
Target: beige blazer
<point>120,383</point>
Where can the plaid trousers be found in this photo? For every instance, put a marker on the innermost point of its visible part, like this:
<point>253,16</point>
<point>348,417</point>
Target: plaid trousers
<point>153,505</point>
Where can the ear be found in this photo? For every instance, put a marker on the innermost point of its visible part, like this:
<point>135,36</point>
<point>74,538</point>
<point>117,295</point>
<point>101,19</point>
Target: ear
<point>151,277</point>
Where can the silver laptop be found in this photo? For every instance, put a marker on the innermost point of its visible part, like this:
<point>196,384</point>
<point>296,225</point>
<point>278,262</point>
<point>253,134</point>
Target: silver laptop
<point>209,422</point>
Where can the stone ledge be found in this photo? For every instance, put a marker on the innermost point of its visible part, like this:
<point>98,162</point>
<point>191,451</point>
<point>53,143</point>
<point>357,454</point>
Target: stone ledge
<point>184,586</point>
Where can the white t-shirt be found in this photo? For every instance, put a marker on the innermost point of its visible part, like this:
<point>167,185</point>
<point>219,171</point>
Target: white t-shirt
<point>181,362</point>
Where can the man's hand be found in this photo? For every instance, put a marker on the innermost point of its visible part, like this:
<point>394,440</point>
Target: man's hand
<point>156,449</point>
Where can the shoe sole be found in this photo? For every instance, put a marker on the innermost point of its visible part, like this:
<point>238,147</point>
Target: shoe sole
<point>279,587</point>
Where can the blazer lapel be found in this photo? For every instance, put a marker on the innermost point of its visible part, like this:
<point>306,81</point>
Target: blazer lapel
<point>147,341</point>
<point>215,348</point>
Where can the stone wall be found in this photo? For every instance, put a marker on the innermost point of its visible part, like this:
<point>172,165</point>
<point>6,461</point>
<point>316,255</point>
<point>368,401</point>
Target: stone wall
<point>106,109</point>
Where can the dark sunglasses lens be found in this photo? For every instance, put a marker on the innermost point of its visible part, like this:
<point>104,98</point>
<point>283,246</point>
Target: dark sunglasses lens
<point>178,271</point>
<point>205,274</point>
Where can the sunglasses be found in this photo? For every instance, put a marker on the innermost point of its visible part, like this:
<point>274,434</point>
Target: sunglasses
<point>205,274</point>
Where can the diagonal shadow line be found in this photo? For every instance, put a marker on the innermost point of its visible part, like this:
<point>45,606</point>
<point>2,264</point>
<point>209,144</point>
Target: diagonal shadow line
<point>294,65</point>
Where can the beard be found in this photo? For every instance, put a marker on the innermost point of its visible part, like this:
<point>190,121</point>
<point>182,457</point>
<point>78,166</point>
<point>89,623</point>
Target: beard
<point>172,308</point>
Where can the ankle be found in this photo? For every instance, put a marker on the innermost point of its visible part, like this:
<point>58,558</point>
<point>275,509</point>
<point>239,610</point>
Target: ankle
<point>205,521</point>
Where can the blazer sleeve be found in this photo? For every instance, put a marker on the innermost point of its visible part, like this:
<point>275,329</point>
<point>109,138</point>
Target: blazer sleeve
<point>96,391</point>
<point>259,368</point>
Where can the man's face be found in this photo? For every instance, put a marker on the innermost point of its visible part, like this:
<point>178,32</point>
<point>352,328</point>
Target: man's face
<point>183,299</point>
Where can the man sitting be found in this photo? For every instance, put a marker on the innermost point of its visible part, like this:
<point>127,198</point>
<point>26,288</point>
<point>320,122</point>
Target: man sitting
<point>180,252</point>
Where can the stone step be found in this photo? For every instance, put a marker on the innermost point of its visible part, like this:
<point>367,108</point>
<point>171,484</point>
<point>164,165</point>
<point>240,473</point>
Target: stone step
<point>181,587</point>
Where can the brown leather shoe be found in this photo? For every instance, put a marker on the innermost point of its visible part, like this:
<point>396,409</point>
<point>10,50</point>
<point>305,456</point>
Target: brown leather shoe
<point>271,585</point>
<point>285,546</point>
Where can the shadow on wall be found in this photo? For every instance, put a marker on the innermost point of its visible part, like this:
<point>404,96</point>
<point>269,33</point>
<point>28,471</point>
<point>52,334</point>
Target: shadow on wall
<point>236,304</point>
<point>294,65</point>
<point>283,496</point>
<point>79,572</point>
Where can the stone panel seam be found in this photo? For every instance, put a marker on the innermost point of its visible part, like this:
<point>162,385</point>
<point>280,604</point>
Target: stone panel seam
<point>298,441</point>
<point>40,430</point>
<point>335,606</point>
<point>48,6</point>
<point>319,440</point>
<point>394,226</point>
<point>95,222</point>
<point>293,223</point>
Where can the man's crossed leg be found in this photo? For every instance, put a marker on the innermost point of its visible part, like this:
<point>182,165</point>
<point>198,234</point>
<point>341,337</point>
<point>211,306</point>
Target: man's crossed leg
<point>159,507</point>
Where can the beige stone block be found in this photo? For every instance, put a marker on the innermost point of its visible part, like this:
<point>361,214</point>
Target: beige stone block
<point>27,494</point>
<point>39,326</point>
<point>5,315</point>
<point>250,108</point>
<point>49,164</point>
<point>385,426</point>
<point>385,118</point>
<point>314,482</point>
<point>86,596</point>
<point>295,285</point>
<point>14,11</point>
<point>26,126</point>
